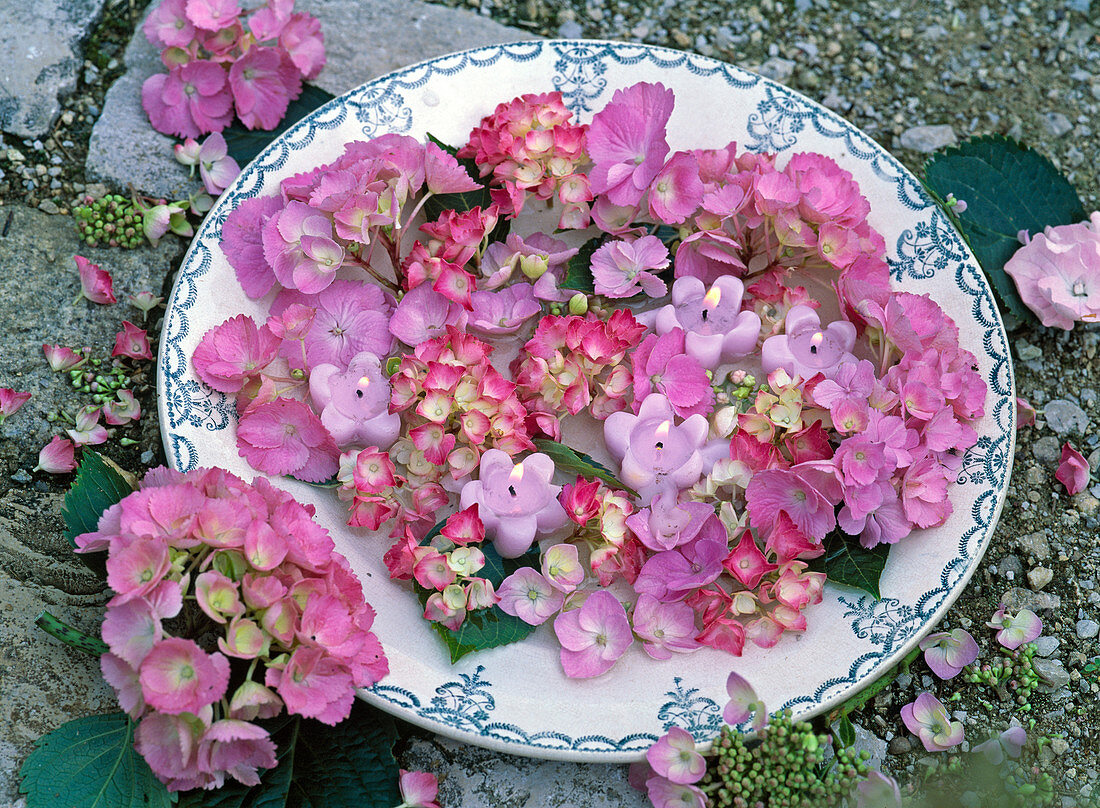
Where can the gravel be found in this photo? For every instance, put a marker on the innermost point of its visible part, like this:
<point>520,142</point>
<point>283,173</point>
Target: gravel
<point>1065,417</point>
<point>927,139</point>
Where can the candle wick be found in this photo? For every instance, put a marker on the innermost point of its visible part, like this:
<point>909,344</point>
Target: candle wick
<point>359,393</point>
<point>813,349</point>
<point>512,490</point>
<point>660,444</point>
<point>704,315</point>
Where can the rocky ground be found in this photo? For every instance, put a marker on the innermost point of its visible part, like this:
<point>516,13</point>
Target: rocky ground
<point>914,75</point>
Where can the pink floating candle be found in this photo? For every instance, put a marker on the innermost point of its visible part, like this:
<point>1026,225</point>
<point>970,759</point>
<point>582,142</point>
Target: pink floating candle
<point>716,330</point>
<point>807,348</point>
<point>656,453</point>
<point>355,403</point>
<point>517,502</point>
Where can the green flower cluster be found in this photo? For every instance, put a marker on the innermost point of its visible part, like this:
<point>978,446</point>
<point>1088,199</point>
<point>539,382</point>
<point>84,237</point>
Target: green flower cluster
<point>112,220</point>
<point>785,768</point>
<point>1013,670</point>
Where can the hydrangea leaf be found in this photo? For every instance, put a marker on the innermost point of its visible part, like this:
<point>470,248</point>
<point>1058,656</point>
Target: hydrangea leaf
<point>1007,188</point>
<point>244,144</point>
<point>91,763</point>
<point>578,272</point>
<point>570,460</point>
<point>847,562</point>
<point>99,484</point>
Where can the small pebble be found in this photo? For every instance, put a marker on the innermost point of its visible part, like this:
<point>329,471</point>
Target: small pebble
<point>147,457</point>
<point>1046,645</point>
<point>927,139</point>
<point>1087,629</point>
<point>1064,417</point>
<point>21,476</point>
<point>1039,577</point>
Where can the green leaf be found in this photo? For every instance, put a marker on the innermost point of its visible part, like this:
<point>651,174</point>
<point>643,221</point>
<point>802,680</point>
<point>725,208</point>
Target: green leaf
<point>1007,188</point>
<point>91,763</point>
<point>578,272</point>
<point>70,636</point>
<point>350,765</point>
<point>845,732</point>
<point>99,484</point>
<point>244,144</point>
<point>567,459</point>
<point>847,562</point>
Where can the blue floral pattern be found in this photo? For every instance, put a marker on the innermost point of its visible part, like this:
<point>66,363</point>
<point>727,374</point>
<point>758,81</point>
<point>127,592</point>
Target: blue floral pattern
<point>768,116</point>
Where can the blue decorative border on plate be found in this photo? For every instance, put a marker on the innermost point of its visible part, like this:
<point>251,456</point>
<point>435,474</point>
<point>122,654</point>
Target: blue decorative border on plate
<point>931,248</point>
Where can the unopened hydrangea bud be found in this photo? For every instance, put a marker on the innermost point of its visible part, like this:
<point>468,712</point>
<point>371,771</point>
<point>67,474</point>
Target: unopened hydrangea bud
<point>533,266</point>
<point>578,304</point>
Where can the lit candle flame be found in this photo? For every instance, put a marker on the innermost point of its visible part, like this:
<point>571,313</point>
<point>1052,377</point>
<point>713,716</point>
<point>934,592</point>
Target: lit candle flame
<point>712,298</point>
<point>364,381</point>
<point>661,434</point>
<point>517,473</point>
<point>817,339</point>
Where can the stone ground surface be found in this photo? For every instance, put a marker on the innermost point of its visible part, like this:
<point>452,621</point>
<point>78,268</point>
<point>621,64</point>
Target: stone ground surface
<point>915,75</point>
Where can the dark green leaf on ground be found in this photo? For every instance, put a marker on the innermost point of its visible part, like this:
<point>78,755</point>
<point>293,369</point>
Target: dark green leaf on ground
<point>91,763</point>
<point>1007,188</point>
<point>847,562</point>
<point>69,635</point>
<point>244,144</point>
<point>570,460</point>
<point>98,486</point>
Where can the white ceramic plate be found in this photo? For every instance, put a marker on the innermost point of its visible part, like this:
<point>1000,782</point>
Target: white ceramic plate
<point>516,699</point>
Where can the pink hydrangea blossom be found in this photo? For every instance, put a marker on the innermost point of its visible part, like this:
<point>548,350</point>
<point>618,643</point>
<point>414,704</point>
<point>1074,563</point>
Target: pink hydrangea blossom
<point>190,100</point>
<point>664,628</point>
<point>1057,273</point>
<point>676,192</point>
<point>1013,630</point>
<point>124,409</point>
<point>314,685</point>
<point>743,703</point>
<point>302,39</point>
<point>663,793</point>
<point>95,283</point>
<point>170,745</point>
<point>807,493</point>
<point>132,342</point>
<point>264,81</point>
<point>673,756</point>
<point>626,141</point>
<point>1073,470</point>
<point>623,268</point>
<point>242,243</point>
<point>237,748</point>
<point>530,596</point>
<point>351,317</point>
<point>878,791</point>
<point>423,314</point>
<point>210,15</point>
<point>661,366</point>
<point>216,167</point>
<point>61,358</point>
<point>594,636</point>
<point>287,437</point>
<point>87,431</point>
<point>927,719</point>
<point>179,677</point>
<point>11,402</point>
<point>57,456</point>
<point>502,313</point>
<point>947,653</point>
<point>168,25</point>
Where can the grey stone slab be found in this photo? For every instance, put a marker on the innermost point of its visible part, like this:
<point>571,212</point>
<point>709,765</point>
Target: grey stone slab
<point>363,40</point>
<point>41,46</point>
<point>477,778</point>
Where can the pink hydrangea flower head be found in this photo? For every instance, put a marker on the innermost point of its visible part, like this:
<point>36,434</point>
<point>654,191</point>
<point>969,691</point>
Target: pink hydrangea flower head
<point>660,365</point>
<point>57,456</point>
<point>286,437</point>
<point>210,15</point>
<point>743,703</point>
<point>677,191</point>
<point>132,342</point>
<point>179,677</point>
<point>170,745</point>
<point>95,283</point>
<point>242,242</point>
<point>673,756</point>
<point>530,596</point>
<point>190,100</point>
<point>168,25</point>
<point>502,313</point>
<point>351,317</point>
<point>418,789</point>
<point>927,719</point>
<point>1013,630</point>
<point>623,268</point>
<point>878,791</point>
<point>807,493</point>
<point>1073,470</point>
<point>264,81</point>
<point>947,653</point>
<point>1057,273</point>
<point>314,685</point>
<point>423,314</point>
<point>11,402</point>
<point>594,636</point>
<point>626,141</point>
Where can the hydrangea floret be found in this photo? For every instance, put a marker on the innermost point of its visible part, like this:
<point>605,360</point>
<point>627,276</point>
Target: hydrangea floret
<point>432,327</point>
<point>281,615</point>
